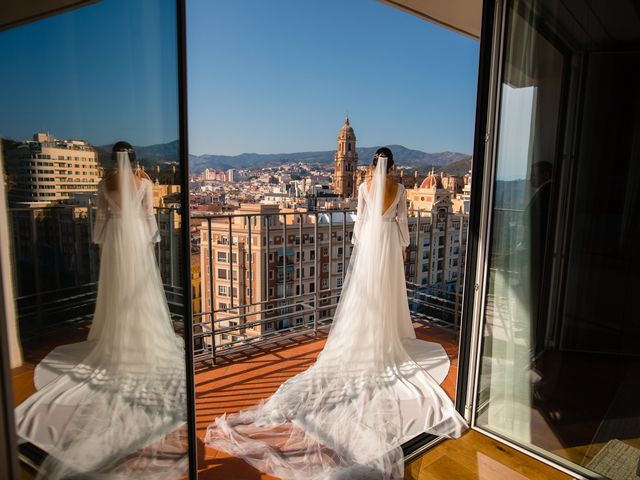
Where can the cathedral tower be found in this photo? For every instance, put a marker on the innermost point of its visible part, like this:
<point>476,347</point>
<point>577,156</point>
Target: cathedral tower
<point>345,162</point>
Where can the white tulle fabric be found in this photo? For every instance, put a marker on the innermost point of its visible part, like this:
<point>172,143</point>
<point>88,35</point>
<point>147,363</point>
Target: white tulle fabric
<point>348,414</point>
<point>119,412</point>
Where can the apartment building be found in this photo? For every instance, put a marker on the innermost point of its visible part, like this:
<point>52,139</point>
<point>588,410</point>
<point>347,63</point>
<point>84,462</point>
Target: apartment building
<point>273,283</point>
<point>46,169</point>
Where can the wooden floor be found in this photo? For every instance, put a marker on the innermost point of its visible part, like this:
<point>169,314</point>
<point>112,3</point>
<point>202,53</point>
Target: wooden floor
<point>475,456</point>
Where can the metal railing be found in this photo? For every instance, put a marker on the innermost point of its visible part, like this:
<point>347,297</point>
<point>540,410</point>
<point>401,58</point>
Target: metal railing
<point>253,320</point>
<point>56,265</point>
<point>273,306</point>
<point>284,282</point>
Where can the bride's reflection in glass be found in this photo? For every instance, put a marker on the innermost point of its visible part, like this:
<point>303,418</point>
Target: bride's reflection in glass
<point>114,405</point>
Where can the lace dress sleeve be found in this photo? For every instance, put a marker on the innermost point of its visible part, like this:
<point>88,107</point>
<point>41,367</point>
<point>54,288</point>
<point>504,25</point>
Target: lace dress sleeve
<point>149,217</point>
<point>360,215</point>
<point>401,217</point>
<point>97,234</point>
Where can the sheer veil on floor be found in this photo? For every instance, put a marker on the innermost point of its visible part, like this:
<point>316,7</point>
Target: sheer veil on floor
<point>348,414</point>
<point>117,411</point>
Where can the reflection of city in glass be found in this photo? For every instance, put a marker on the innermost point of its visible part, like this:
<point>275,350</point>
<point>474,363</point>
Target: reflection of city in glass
<point>57,148</point>
<point>97,81</point>
<point>51,186</point>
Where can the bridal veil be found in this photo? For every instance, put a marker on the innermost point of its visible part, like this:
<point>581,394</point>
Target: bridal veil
<point>117,412</point>
<point>347,416</point>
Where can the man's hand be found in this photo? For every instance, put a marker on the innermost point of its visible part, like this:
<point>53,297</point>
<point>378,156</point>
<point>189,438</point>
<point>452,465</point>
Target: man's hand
<point>404,254</point>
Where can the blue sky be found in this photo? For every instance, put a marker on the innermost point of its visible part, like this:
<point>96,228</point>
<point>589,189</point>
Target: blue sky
<point>101,73</point>
<point>278,76</point>
<point>264,76</point>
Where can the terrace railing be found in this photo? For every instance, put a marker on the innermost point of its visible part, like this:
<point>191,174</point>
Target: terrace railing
<point>282,309</point>
<point>284,283</point>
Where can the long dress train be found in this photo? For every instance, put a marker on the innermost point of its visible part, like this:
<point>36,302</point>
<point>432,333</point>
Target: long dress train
<point>117,411</point>
<point>348,414</point>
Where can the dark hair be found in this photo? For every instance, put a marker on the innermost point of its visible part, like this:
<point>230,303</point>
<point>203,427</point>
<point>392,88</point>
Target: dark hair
<point>383,152</point>
<point>124,147</point>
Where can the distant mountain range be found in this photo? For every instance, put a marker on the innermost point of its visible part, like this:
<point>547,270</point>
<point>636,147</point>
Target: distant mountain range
<point>159,153</point>
<point>402,156</point>
<point>451,163</point>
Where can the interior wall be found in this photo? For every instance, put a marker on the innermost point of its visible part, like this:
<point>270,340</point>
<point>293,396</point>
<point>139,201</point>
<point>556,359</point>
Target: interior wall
<point>6,282</point>
<point>10,354</point>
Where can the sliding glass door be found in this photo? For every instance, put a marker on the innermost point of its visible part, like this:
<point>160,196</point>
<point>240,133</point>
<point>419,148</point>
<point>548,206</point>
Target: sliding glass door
<point>93,108</point>
<point>559,337</point>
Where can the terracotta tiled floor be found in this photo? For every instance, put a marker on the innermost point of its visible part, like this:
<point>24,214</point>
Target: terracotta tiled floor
<point>237,382</point>
<point>241,381</point>
<point>34,350</point>
<point>244,380</point>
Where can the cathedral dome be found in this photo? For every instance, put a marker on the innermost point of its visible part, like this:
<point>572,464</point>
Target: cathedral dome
<point>431,181</point>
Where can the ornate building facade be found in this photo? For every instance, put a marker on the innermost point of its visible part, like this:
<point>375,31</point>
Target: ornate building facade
<point>345,162</point>
<point>439,191</point>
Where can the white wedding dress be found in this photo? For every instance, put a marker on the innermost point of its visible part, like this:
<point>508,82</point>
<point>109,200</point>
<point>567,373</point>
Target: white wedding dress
<point>113,406</point>
<point>347,416</point>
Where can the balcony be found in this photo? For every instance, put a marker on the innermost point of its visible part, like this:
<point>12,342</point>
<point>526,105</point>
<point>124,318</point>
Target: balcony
<point>272,285</point>
<point>248,337</point>
<point>56,265</point>
<point>245,350</point>
<point>242,379</point>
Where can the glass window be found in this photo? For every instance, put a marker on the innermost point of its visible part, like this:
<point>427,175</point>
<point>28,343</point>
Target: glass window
<point>96,247</point>
<point>560,340</point>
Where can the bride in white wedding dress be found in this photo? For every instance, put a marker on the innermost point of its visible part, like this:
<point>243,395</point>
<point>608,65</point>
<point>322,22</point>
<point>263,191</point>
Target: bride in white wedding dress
<point>347,416</point>
<point>116,410</point>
